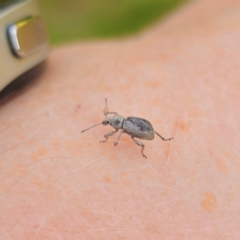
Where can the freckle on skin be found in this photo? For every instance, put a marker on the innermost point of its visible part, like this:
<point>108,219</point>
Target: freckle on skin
<point>107,178</point>
<point>77,108</point>
<point>209,201</point>
<point>154,84</point>
<point>182,125</point>
<point>17,172</point>
<point>221,165</point>
<point>38,184</point>
<point>38,154</point>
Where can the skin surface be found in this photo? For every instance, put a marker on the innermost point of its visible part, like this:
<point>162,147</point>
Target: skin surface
<point>183,76</point>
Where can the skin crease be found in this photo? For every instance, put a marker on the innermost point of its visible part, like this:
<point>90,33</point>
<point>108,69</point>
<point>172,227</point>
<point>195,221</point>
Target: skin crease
<point>183,76</point>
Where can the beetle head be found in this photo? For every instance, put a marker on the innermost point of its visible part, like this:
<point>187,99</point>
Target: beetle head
<point>115,121</point>
<point>105,122</point>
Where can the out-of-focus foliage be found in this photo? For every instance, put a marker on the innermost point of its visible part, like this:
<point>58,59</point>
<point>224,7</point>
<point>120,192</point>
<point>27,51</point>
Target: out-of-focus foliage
<point>88,19</point>
<point>4,2</point>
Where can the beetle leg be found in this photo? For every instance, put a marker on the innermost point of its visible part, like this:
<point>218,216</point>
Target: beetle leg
<point>141,145</point>
<point>106,108</point>
<point>116,142</point>
<point>106,112</point>
<point>164,139</point>
<point>108,135</point>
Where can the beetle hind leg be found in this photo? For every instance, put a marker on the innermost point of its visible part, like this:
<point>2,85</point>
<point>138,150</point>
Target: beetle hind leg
<point>141,145</point>
<point>108,135</point>
<point>164,139</point>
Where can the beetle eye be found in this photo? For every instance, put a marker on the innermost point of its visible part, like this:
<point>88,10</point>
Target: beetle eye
<point>105,123</point>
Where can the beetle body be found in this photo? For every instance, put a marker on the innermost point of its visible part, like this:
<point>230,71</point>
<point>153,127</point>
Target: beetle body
<point>139,128</point>
<point>133,126</point>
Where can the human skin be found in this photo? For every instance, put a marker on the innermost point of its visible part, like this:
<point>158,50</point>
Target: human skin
<point>183,76</point>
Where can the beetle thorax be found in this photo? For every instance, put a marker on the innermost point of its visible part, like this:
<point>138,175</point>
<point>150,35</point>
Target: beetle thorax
<point>115,121</point>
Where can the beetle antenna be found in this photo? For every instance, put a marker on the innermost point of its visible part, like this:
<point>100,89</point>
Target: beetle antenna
<point>90,127</point>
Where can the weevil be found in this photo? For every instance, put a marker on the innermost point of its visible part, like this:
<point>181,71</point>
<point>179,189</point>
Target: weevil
<point>134,126</point>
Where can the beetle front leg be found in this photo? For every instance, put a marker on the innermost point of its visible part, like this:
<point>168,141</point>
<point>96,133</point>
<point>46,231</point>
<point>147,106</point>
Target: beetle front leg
<point>141,145</point>
<point>106,112</point>
<point>108,135</point>
<point>116,142</point>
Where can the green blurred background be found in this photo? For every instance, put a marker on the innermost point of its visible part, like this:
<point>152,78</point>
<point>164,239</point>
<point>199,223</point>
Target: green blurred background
<point>93,19</point>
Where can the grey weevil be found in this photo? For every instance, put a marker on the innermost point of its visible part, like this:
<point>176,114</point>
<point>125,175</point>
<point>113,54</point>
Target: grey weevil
<point>133,126</point>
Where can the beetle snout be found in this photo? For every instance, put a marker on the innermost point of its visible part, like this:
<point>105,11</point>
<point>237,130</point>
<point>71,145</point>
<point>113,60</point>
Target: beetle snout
<point>105,122</point>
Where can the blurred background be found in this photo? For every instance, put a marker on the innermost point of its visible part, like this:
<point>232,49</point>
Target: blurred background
<point>74,20</point>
